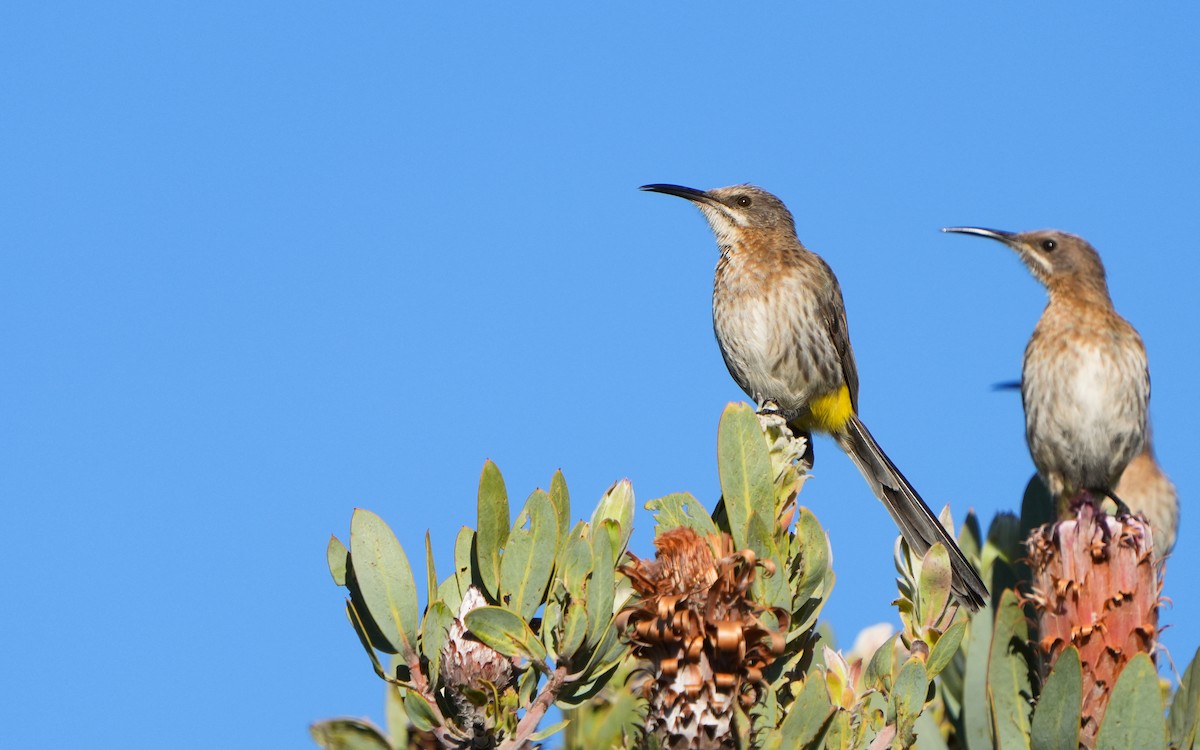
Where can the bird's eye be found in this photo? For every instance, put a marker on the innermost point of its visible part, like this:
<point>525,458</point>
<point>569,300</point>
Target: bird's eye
<point>1049,245</point>
<point>743,200</point>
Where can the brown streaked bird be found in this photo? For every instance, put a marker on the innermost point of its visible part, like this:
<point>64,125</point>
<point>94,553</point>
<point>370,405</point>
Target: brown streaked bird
<point>1084,382</point>
<point>1143,487</point>
<point>1147,490</point>
<point>781,325</point>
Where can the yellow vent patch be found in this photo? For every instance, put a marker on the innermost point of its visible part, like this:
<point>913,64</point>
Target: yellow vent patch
<point>829,413</point>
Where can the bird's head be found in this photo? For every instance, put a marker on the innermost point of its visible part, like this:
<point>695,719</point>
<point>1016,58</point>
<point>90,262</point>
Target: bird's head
<point>731,210</point>
<point>1052,256</point>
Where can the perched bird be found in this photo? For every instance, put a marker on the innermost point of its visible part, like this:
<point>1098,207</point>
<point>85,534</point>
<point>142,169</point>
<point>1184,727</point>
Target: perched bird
<point>1143,487</point>
<point>1147,491</point>
<point>781,325</point>
<point>1084,382</point>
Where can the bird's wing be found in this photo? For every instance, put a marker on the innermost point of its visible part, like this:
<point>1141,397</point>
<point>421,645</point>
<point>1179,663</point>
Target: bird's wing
<point>839,334</point>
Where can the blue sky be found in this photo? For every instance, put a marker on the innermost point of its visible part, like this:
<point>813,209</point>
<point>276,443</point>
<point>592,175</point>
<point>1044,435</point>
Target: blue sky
<point>264,263</point>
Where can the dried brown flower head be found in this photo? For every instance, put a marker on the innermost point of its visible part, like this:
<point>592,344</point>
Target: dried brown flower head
<point>704,638</point>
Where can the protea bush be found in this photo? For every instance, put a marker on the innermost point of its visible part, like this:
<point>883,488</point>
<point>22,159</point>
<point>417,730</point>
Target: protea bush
<point>713,640</point>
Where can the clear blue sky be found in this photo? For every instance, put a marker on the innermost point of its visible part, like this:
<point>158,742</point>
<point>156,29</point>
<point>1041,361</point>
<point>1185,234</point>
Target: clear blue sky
<point>267,262</point>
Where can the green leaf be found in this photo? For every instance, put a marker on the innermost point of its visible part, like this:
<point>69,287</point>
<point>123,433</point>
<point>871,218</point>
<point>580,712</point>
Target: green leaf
<point>348,734</point>
<point>929,733</point>
<point>601,588</point>
<point>339,560</point>
<point>549,731</point>
<point>574,630</point>
<point>976,716</point>
<point>807,717</point>
<point>360,628</point>
<point>934,585</point>
<point>576,562</point>
<point>454,588</point>
<point>577,693</point>
<point>680,509</point>
<point>434,628</point>
<point>771,589</point>
<point>420,713</point>
<point>385,579</point>
<point>813,556</point>
<point>431,579</point>
<point>946,647</point>
<point>397,719</point>
<point>616,505</point>
<point>505,632</point>
<point>1184,716</point>
<point>747,481</point>
<point>492,534</point>
<point>1009,682</point>
<point>879,669</point>
<point>908,698</point>
<point>561,500</point>
<point>840,735</point>
<point>528,560</point>
<point>1134,717</point>
<point>1059,710</point>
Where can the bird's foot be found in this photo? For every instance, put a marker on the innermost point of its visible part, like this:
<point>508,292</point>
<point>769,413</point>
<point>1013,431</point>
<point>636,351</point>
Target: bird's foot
<point>1123,508</point>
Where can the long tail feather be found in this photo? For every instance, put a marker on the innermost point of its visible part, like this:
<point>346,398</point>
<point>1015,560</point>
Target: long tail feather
<point>918,525</point>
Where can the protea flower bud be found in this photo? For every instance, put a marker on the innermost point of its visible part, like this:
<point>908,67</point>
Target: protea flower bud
<point>468,665</point>
<point>1096,586</point>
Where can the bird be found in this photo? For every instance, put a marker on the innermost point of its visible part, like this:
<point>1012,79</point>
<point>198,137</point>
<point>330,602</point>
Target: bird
<point>1085,379</point>
<point>1147,490</point>
<point>780,323</point>
<point>1144,488</point>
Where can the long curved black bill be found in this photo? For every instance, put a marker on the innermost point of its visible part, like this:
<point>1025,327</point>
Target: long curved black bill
<point>691,194</point>
<point>992,234</point>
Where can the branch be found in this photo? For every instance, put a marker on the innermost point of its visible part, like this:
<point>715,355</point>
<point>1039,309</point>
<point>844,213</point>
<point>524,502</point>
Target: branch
<point>537,710</point>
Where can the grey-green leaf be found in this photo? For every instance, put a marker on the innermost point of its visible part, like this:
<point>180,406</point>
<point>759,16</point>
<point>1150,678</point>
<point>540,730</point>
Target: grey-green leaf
<point>434,629</point>
<point>617,505</point>
<point>908,698</point>
<point>420,713</point>
<point>773,588</point>
<point>492,534</point>
<point>1183,719</point>
<point>339,558</point>
<point>976,711</point>
<point>813,556</point>
<point>747,481</point>
<point>576,562</point>
<point>602,586</point>
<point>385,579</point>
<point>879,669</point>
<point>1056,718</point>
<point>348,734</point>
<point>505,632</point>
<point>528,561</point>
<point>549,731</point>
<point>1009,682</point>
<point>431,579</point>
<point>943,651</point>
<point>807,716</point>
<point>934,585</point>
<point>574,630</point>
<point>397,719</point>
<point>681,509</point>
<point>1134,717</point>
<point>561,500</point>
